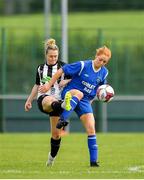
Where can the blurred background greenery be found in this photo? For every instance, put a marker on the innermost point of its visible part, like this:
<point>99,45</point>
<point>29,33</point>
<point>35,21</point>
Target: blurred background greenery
<point>91,24</point>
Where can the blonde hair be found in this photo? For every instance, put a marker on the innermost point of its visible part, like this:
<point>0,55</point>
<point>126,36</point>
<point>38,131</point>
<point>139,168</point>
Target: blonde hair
<point>50,44</point>
<point>103,51</point>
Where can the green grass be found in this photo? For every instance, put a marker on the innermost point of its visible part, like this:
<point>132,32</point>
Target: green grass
<point>110,19</point>
<point>24,156</point>
<point>124,26</point>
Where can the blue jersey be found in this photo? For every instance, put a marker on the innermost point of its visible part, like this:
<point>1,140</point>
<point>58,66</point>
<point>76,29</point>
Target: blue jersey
<point>85,78</point>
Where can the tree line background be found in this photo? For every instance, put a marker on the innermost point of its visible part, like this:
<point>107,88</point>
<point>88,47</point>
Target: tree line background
<point>35,6</point>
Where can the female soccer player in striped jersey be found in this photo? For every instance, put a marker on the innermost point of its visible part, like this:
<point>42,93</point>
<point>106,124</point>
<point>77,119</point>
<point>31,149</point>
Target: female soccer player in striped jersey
<point>87,76</point>
<point>50,101</point>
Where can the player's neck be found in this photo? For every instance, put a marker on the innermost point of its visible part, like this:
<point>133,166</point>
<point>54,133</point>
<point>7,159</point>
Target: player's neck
<point>95,68</point>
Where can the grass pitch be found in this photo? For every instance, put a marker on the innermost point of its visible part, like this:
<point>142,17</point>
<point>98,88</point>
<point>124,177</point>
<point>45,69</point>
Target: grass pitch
<point>24,156</point>
<point>115,24</point>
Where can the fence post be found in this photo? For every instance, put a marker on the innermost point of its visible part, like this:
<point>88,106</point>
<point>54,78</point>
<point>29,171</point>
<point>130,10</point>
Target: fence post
<point>100,39</point>
<point>114,61</point>
<point>127,69</point>
<point>100,114</point>
<point>1,116</point>
<point>3,70</point>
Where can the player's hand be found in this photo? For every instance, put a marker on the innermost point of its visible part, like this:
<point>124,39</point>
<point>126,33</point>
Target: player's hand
<point>63,83</point>
<point>28,106</point>
<point>43,88</point>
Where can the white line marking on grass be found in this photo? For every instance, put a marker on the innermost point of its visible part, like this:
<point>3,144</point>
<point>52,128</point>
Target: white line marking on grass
<point>139,169</point>
<point>9,171</point>
<point>134,169</point>
<point>64,172</point>
<point>15,171</point>
<point>96,172</point>
<point>128,171</point>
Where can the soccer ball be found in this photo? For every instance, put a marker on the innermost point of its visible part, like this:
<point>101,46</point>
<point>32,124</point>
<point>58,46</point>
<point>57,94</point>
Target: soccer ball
<point>105,93</point>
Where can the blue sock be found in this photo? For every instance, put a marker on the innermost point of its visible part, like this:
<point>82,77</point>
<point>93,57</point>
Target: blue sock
<point>93,150</point>
<point>65,114</point>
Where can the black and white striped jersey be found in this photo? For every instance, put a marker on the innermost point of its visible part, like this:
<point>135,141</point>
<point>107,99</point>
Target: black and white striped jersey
<point>44,74</point>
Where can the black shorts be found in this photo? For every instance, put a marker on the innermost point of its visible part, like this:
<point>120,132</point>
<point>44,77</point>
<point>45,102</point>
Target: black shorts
<point>39,103</point>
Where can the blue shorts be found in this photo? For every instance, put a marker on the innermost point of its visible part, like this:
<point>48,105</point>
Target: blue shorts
<point>83,106</point>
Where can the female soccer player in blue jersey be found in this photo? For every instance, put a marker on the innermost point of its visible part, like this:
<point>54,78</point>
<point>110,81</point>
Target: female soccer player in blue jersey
<point>87,76</point>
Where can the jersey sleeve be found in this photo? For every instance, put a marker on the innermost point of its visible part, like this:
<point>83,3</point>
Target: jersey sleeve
<point>71,69</point>
<point>104,81</point>
<point>37,81</point>
<point>61,65</point>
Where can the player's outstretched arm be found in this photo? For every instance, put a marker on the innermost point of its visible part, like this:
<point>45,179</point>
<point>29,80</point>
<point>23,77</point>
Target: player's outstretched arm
<point>33,94</point>
<point>46,87</point>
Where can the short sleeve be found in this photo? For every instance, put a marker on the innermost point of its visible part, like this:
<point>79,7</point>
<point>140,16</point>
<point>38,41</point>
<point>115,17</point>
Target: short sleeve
<point>61,64</point>
<point>37,81</point>
<point>104,81</point>
<point>72,69</point>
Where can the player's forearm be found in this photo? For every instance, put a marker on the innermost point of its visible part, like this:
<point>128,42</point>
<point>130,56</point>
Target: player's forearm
<point>55,77</point>
<point>33,93</point>
<point>46,87</point>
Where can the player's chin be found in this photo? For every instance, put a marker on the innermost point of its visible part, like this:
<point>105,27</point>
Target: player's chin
<point>53,62</point>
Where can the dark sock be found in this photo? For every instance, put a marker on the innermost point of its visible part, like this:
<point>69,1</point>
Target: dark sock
<point>55,145</point>
<point>56,105</point>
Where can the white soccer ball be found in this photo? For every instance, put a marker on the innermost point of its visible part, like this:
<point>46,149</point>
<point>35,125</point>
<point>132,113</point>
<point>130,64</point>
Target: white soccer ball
<point>105,93</point>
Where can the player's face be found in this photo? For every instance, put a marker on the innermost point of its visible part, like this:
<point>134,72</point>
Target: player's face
<point>100,61</point>
<point>52,57</point>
